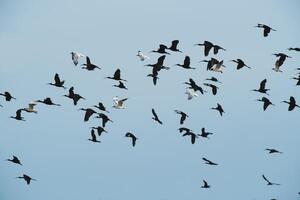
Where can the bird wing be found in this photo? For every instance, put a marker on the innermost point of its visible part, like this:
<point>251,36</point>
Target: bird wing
<point>88,62</point>
<point>265,178</point>
<point>56,79</point>
<point>174,44</point>
<point>162,47</point>
<point>117,74</point>
<point>154,114</point>
<point>267,30</point>
<point>93,135</point>
<point>263,84</point>
<point>160,60</point>
<point>187,61</point>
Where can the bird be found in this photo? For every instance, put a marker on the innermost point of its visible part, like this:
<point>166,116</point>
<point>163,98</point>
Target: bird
<point>204,133</point>
<point>15,160</point>
<point>294,49</point>
<point>104,118</point>
<point>30,108</point>
<point>174,45</point>
<point>240,63</point>
<point>8,96</point>
<point>48,102</point>
<point>88,113</point>
<point>192,135</point>
<point>298,79</point>
<point>159,65</point>
<point>162,49</point>
<point>262,87</point>
<point>27,178</point>
<point>217,48</point>
<point>186,63</point>
<point>184,129</point>
<point>18,115</point>
<point>101,107</point>
<point>183,116</point>
<point>57,82</point>
<point>205,184</point>
<point>116,76</point>
<point>89,66</point>
<point>208,162</point>
<point>75,97</point>
<point>93,137</point>
<point>191,93</point>
<point>99,129</point>
<point>210,63</point>
<point>269,183</point>
<point>119,104</point>
<point>133,138</point>
<point>279,62</point>
<point>207,47</point>
<point>75,57</point>
<point>155,117</point>
<point>273,151</point>
<point>142,56</point>
<point>219,108</point>
<point>266,101</point>
<point>213,88</point>
<point>193,85</point>
<point>213,79</point>
<point>218,67</point>
<point>267,29</point>
<point>292,103</point>
<point>121,85</point>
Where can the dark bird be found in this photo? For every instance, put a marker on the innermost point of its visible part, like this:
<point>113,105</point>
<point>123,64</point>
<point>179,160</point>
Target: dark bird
<point>184,129</point>
<point>219,108</point>
<point>18,115</point>
<point>204,133</point>
<point>15,160</point>
<point>205,184</point>
<point>162,49</point>
<point>294,49</point>
<point>173,47</point>
<point>262,87</point>
<point>213,79</point>
<point>269,183</point>
<point>298,79</point>
<point>266,101</point>
<point>48,102</point>
<point>88,113</point>
<point>7,96</point>
<point>27,178</point>
<point>213,88</point>
<point>159,65</point>
<point>267,29</point>
<point>89,66</point>
<point>207,47</point>
<point>133,138</point>
<point>209,162</point>
<point>75,97</point>
<point>99,129</point>
<point>279,62</point>
<point>183,116</point>
<point>121,85</point>
<point>210,63</point>
<point>155,117</point>
<point>194,86</point>
<point>292,103</point>
<point>186,63</point>
<point>240,64</point>
<point>57,82</point>
<point>104,118</point>
<point>273,151</point>
<point>100,106</point>
<point>116,76</point>
<point>192,135</point>
<point>217,48</point>
<point>93,137</point>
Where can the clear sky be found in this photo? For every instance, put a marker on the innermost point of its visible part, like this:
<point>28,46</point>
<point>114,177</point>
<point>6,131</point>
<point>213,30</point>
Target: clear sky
<point>36,39</point>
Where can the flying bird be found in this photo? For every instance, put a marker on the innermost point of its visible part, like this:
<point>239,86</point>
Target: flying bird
<point>218,67</point>
<point>8,96</point>
<point>294,49</point>
<point>186,63</point>
<point>217,48</point>
<point>174,45</point>
<point>269,183</point>
<point>101,107</point>
<point>267,29</point>
<point>292,103</point>
<point>204,133</point>
<point>210,63</point>
<point>133,138</point>
<point>99,129</point>
<point>155,117</point>
<point>75,57</point>
<point>213,88</point>
<point>193,85</point>
<point>75,97</point>
<point>104,118</point>
<point>262,87</point>
<point>89,66</point>
<point>121,85</point>
<point>119,104</point>
<point>240,64</point>
<point>182,117</point>
<point>15,160</point>
<point>57,82</point>
<point>116,76</point>
<point>207,47</point>
<point>273,151</point>
<point>205,184</point>
<point>162,49</point>
<point>208,162</point>
<point>48,102</point>
<point>184,129</point>
<point>18,115</point>
<point>159,65</point>
<point>88,113</point>
<point>142,56</point>
<point>93,137</point>
<point>266,102</point>
<point>27,178</point>
<point>213,79</point>
<point>192,135</point>
<point>219,108</point>
<point>279,62</point>
<point>31,108</point>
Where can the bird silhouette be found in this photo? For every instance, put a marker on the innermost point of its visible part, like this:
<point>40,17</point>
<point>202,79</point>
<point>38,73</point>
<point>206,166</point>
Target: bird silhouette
<point>262,87</point>
<point>269,183</point>
<point>99,129</point>
<point>142,56</point>
<point>292,103</point>
<point>193,85</point>
<point>57,82</point>
<point>75,97</point>
<point>266,102</point>
<point>217,48</point>
<point>192,135</point>
<point>116,76</point>
<point>7,95</point>
<point>208,162</point>
<point>217,66</point>
<point>210,63</point>
<point>184,129</point>
<point>155,117</point>
<point>273,151</point>
<point>27,178</point>
<point>240,64</point>
<point>207,47</point>
<point>88,113</point>
<point>174,45</point>
<point>294,49</point>
<point>75,57</point>
<point>101,107</point>
<point>279,62</point>
<point>89,66</point>
<point>31,108</point>
<point>182,117</point>
<point>159,65</point>
<point>104,118</point>
<point>267,29</point>
<point>162,49</point>
<point>214,79</point>
<point>93,137</point>
<point>119,104</point>
<point>219,108</point>
<point>186,63</point>
<point>204,133</point>
<point>48,102</point>
<point>18,115</point>
<point>133,138</point>
<point>15,160</point>
<point>213,88</point>
<point>205,184</point>
<point>121,85</point>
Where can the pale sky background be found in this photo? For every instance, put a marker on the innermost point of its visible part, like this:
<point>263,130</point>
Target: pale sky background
<point>36,38</point>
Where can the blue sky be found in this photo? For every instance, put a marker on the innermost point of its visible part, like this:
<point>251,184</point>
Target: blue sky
<point>36,39</point>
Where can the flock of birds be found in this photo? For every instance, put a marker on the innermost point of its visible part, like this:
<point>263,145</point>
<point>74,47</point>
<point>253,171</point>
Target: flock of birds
<point>193,90</point>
